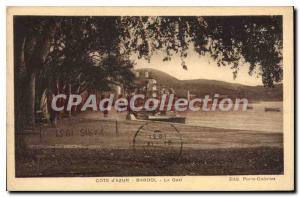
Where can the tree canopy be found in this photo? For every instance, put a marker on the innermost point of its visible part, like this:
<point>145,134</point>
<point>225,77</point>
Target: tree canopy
<point>229,40</point>
<point>76,42</point>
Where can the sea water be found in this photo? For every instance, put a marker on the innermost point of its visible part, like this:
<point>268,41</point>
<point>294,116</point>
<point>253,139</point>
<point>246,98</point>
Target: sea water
<point>255,119</point>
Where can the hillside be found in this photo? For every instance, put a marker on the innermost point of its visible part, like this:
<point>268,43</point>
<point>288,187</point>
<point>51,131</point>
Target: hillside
<point>201,87</point>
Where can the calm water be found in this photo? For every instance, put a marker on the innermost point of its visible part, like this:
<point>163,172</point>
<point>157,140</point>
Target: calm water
<point>255,119</point>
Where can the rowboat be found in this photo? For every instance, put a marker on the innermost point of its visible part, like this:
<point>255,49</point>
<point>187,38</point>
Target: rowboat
<point>174,119</point>
<point>275,109</point>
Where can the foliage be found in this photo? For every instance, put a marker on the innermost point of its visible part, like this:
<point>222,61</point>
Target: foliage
<point>229,40</point>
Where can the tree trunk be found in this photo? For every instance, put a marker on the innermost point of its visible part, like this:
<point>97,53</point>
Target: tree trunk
<point>34,64</point>
<point>70,92</point>
<point>31,99</point>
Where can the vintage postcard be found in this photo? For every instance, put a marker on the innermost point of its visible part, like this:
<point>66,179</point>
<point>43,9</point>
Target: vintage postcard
<point>150,99</point>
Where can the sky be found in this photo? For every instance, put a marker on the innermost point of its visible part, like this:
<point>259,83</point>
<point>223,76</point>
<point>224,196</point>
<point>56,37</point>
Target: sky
<point>199,67</point>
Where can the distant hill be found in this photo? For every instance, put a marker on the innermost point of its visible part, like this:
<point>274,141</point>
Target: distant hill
<point>201,87</point>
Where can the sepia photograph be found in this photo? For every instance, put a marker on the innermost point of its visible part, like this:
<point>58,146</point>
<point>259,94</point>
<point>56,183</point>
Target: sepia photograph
<point>124,97</point>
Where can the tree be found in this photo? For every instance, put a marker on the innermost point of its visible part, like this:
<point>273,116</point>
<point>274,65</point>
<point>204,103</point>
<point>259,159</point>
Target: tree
<point>54,52</point>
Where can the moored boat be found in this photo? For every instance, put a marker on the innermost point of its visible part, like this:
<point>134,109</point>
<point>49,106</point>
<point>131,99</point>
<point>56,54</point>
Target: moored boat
<point>174,119</point>
<point>275,109</point>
